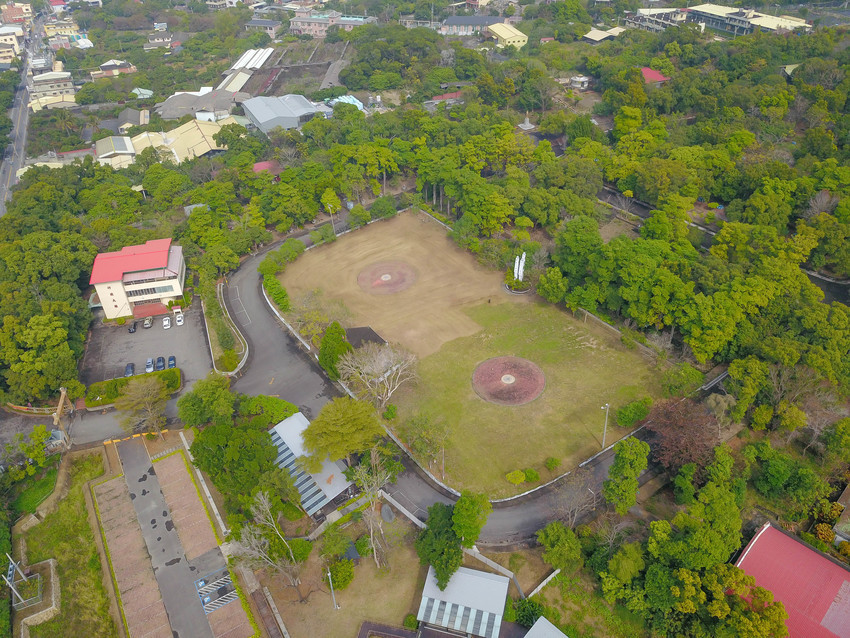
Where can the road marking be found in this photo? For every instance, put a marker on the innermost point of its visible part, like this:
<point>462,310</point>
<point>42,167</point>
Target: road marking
<point>247,321</point>
<point>272,381</point>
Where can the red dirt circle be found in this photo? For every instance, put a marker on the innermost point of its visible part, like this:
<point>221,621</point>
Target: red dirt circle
<point>508,380</point>
<point>386,277</point>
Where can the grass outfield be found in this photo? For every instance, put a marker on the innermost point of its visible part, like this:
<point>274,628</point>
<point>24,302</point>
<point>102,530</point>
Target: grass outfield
<point>585,367</point>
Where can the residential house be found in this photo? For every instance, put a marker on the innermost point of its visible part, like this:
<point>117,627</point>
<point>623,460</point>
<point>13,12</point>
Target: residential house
<point>50,84</point>
<point>158,40</point>
<point>60,27</point>
<point>142,94</point>
<point>110,148</point>
<point>139,281</point>
<point>651,77</point>
<point>507,35</point>
<point>160,26</point>
<point>192,139</point>
<point>7,53</point>
<point>112,68</point>
<point>732,20</point>
<point>16,13</point>
<point>216,5</point>
<point>58,6</point>
<point>318,490</point>
<point>595,36</point>
<point>12,35</point>
<point>207,104</point>
<point>308,21</point>
<point>471,604</point>
<point>580,82</point>
<point>269,27</point>
<point>813,587</point>
<point>287,112</point>
<point>468,25</point>
<point>128,118</point>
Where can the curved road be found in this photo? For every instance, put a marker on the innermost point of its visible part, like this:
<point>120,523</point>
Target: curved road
<point>278,366</point>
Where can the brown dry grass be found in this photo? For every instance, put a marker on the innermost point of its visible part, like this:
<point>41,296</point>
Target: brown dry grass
<point>426,315</point>
<point>380,596</point>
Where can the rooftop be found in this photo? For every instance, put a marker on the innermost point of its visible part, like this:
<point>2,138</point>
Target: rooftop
<point>256,22</point>
<point>506,30</point>
<point>151,255</point>
<point>544,629</point>
<point>472,602</point>
<point>265,109</point>
<point>113,145</point>
<point>316,489</point>
<point>474,21</point>
<point>651,75</point>
<point>814,589</point>
<point>188,141</point>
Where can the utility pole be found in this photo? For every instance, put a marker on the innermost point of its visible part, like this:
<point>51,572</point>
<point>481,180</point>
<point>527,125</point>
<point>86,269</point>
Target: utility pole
<point>605,407</point>
<point>331,583</point>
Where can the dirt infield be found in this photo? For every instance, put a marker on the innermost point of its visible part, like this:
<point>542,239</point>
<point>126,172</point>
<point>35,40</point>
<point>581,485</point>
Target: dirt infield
<point>508,381</point>
<point>386,277</point>
<point>423,316</point>
<point>187,511</point>
<point>137,586</point>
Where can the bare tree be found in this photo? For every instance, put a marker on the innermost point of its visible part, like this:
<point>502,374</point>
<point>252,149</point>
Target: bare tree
<point>371,479</point>
<point>259,545</point>
<point>721,406</point>
<point>791,383</point>
<point>624,202</point>
<point>377,371</point>
<point>142,405</point>
<point>573,497</point>
<point>822,202</point>
<point>822,410</point>
<point>427,437</point>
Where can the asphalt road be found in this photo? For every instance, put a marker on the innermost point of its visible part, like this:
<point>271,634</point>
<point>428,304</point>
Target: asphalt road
<point>173,573</point>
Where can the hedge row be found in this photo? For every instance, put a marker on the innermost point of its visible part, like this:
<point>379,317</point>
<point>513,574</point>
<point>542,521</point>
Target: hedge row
<point>106,392</point>
<point>277,292</point>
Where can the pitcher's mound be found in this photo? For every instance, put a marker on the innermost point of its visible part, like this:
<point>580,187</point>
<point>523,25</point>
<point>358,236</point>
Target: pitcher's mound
<point>508,380</point>
<point>386,277</point>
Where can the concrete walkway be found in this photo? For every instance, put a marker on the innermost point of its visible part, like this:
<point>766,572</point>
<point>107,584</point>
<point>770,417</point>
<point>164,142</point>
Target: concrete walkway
<point>173,574</point>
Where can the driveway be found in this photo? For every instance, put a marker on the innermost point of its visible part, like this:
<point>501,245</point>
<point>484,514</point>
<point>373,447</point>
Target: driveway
<point>110,348</point>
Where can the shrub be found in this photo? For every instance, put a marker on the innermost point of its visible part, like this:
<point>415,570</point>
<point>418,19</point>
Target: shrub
<point>824,532</point>
<point>359,216</point>
<point>516,477</point>
<point>815,542</point>
<point>301,549</point>
<point>268,267</point>
<point>342,573</point>
<point>151,436</point>
<point>228,360</point>
<point>410,622</point>
<point>106,392</point>
<point>391,412</point>
<point>683,484</point>
<point>528,611</point>
<point>510,611</point>
<point>323,235</point>
<point>531,475</point>
<point>633,412</point>
<point>762,415</point>
<point>844,549</point>
<point>290,250</point>
<point>277,293</point>
<point>552,463</point>
<point>383,207</point>
<point>827,512</point>
<point>681,380</point>
<point>363,546</point>
<point>121,321</point>
<point>290,512</point>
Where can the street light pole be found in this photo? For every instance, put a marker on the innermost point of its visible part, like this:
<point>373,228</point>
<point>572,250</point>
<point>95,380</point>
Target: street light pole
<point>605,407</point>
<point>331,583</point>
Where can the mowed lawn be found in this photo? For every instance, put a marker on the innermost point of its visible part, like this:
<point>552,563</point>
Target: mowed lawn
<point>585,365</point>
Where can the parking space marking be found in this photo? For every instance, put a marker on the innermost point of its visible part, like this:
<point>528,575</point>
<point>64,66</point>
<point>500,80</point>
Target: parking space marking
<point>272,381</point>
<point>247,320</point>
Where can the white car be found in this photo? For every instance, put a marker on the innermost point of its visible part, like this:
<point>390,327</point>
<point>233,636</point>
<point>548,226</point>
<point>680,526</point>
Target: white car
<point>166,323</point>
<point>178,318</point>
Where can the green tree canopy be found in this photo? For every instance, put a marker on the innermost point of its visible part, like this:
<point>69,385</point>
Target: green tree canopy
<point>344,426</point>
<point>469,516</point>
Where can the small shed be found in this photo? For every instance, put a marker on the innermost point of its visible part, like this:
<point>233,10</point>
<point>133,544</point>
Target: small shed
<point>544,629</point>
<point>362,335</point>
<point>472,602</point>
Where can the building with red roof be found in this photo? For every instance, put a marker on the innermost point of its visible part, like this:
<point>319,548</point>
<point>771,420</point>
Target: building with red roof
<point>814,588</point>
<point>57,6</point>
<point>139,280</point>
<point>651,76</point>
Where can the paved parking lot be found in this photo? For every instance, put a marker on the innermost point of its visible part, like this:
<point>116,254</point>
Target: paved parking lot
<point>111,348</point>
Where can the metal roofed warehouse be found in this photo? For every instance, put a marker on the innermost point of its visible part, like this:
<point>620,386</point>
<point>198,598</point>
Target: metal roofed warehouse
<point>287,111</point>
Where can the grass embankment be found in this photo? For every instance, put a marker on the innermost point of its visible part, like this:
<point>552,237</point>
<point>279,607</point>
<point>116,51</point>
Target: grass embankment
<point>66,535</point>
<point>585,365</point>
<point>106,392</point>
<point>34,490</point>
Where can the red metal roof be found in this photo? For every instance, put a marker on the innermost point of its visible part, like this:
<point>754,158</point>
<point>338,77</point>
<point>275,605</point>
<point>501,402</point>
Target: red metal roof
<point>447,96</point>
<point>651,75</point>
<point>112,266</point>
<point>814,589</point>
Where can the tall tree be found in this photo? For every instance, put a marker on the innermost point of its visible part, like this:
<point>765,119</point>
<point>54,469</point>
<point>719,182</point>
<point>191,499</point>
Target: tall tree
<point>438,545</point>
<point>562,547</point>
<point>621,487</point>
<point>210,401</point>
<point>142,404</point>
<point>684,432</point>
<point>344,426</point>
<point>332,347</point>
<point>469,516</point>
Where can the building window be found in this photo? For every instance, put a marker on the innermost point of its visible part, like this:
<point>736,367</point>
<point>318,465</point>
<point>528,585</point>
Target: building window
<point>150,291</point>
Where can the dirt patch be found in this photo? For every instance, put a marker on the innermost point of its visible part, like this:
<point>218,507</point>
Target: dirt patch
<point>187,511</point>
<point>384,596</point>
<point>421,317</point>
<point>144,610</point>
<point>230,621</point>
<point>617,227</point>
<point>508,381</point>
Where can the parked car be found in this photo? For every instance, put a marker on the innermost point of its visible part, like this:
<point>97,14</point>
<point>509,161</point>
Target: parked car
<point>130,370</point>
<point>172,362</point>
<point>149,365</point>
<point>148,322</point>
<point>132,328</point>
<point>166,322</point>
<point>178,318</point>
<point>160,363</point>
